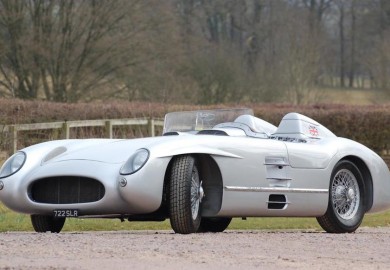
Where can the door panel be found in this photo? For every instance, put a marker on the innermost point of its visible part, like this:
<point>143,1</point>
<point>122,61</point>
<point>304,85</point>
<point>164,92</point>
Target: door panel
<point>310,155</point>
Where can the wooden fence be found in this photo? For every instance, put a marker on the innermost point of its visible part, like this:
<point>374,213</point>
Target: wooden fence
<point>65,126</point>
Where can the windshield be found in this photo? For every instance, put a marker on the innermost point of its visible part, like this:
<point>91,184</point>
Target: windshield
<point>200,120</point>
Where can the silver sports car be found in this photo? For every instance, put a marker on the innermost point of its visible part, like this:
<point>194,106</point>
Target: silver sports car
<point>208,167</point>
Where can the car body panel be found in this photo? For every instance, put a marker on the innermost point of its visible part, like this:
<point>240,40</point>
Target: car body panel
<point>242,172</point>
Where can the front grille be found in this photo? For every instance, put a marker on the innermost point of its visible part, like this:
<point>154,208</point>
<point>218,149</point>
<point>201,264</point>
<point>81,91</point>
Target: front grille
<point>66,190</point>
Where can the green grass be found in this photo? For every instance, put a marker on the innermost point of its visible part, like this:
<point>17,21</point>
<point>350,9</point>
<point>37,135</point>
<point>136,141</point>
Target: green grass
<point>353,96</point>
<point>11,221</point>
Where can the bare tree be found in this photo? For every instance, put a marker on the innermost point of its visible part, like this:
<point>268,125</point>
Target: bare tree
<point>384,34</point>
<point>374,27</point>
<point>317,9</point>
<point>341,19</point>
<point>352,61</point>
<point>67,48</point>
<point>14,59</point>
<point>191,50</point>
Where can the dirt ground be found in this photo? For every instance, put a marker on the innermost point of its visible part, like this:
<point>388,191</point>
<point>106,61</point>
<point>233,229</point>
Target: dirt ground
<point>368,248</point>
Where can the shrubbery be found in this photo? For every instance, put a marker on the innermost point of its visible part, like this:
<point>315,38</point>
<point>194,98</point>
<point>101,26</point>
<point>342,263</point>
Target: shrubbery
<point>369,125</point>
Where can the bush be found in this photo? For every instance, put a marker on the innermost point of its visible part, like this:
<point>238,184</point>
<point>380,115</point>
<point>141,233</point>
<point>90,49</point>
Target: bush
<point>369,125</point>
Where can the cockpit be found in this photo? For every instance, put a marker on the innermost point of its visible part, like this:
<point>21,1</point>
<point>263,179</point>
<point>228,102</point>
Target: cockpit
<point>293,127</point>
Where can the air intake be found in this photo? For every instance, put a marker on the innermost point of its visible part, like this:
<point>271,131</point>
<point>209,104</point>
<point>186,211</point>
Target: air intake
<point>212,132</point>
<point>66,190</point>
<point>277,201</point>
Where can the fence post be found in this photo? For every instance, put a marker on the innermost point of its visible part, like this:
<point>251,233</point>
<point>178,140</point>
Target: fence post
<point>13,130</point>
<point>65,130</point>
<point>108,129</point>
<point>151,127</point>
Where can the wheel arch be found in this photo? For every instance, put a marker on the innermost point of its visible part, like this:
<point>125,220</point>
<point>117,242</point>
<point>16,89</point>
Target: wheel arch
<point>367,178</point>
<point>212,182</point>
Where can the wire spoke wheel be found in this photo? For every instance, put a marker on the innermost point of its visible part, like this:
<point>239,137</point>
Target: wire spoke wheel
<point>197,193</point>
<point>346,195</point>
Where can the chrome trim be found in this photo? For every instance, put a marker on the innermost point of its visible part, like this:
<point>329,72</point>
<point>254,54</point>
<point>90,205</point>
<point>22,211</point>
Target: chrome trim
<point>281,179</point>
<point>276,189</point>
<point>286,202</point>
<point>276,164</point>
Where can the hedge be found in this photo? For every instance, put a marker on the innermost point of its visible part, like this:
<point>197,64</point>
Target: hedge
<point>369,125</point>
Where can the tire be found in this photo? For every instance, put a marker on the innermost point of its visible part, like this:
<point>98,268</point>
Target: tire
<point>218,224</point>
<point>185,195</point>
<point>346,195</point>
<point>47,223</point>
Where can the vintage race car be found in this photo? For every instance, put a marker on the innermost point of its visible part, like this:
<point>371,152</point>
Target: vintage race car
<point>208,167</point>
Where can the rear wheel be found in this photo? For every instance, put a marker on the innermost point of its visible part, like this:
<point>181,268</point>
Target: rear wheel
<point>346,194</point>
<point>217,224</point>
<point>47,223</point>
<point>185,195</point>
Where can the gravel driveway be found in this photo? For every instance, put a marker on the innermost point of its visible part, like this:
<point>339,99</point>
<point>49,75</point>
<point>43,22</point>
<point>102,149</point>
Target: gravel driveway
<point>368,248</point>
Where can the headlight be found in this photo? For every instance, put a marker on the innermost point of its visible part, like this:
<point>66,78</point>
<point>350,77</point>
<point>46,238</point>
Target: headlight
<point>13,164</point>
<point>135,162</point>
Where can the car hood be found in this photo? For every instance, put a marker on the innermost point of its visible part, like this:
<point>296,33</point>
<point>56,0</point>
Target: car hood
<point>118,151</point>
<point>100,150</point>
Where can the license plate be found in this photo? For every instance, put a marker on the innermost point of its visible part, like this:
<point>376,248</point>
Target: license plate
<point>66,213</point>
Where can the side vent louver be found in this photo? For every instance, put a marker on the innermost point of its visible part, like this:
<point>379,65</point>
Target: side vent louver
<point>277,201</point>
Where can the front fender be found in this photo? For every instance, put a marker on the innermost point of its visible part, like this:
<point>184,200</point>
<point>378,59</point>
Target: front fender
<point>198,150</point>
<point>193,144</point>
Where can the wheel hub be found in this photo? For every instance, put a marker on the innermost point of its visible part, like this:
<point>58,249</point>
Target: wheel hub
<point>350,194</point>
<point>340,191</point>
<point>197,194</point>
<point>345,194</point>
<point>200,192</point>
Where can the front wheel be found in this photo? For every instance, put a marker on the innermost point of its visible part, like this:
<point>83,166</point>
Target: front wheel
<point>47,223</point>
<point>346,194</point>
<point>185,195</point>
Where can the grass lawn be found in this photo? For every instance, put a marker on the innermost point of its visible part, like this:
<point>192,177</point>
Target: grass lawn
<point>353,96</point>
<point>10,221</point>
